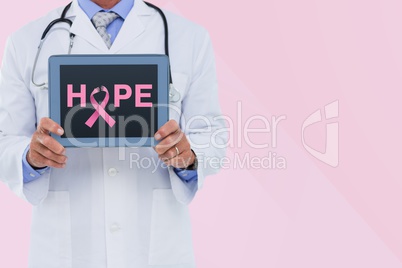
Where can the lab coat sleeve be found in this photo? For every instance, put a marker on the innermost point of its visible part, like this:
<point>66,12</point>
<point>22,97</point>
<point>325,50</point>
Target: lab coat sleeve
<point>17,124</point>
<point>202,122</point>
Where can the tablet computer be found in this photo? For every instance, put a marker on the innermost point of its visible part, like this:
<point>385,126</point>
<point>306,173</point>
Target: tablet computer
<point>108,100</point>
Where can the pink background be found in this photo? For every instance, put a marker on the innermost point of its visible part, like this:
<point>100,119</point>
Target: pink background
<point>287,57</point>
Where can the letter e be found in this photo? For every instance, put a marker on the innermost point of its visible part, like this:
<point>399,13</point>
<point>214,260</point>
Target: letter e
<point>139,95</point>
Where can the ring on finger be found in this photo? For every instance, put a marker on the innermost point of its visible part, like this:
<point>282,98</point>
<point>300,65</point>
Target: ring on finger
<point>177,150</point>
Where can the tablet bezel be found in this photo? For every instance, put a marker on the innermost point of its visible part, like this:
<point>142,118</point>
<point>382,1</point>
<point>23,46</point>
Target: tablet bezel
<point>161,61</point>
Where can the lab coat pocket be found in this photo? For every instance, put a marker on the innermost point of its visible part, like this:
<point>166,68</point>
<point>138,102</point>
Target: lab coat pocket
<point>171,242</point>
<point>51,229</point>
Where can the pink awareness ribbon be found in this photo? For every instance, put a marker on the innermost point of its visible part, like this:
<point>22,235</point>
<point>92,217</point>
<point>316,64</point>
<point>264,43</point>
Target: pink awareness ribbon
<point>100,109</point>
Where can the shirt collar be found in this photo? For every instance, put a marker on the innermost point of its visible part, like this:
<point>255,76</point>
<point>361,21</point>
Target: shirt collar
<point>122,8</point>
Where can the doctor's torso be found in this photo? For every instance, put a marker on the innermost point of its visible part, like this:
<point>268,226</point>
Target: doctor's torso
<point>106,207</point>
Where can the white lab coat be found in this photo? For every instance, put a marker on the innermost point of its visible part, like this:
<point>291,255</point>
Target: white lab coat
<point>101,211</point>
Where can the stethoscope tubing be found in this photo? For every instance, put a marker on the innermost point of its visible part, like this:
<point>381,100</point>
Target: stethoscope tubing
<point>63,19</point>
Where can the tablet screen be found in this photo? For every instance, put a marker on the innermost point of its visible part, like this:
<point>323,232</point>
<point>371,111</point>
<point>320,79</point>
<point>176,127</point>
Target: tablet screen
<point>119,101</point>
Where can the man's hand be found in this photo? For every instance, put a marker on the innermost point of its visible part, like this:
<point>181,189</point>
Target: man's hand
<point>174,148</point>
<point>45,151</point>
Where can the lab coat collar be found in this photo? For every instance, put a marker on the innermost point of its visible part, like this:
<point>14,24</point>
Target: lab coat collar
<point>131,29</point>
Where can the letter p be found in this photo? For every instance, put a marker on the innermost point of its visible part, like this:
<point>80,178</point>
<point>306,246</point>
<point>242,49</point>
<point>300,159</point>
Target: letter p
<point>118,96</point>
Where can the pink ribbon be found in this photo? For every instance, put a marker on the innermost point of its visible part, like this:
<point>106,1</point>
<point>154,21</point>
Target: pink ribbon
<point>100,109</point>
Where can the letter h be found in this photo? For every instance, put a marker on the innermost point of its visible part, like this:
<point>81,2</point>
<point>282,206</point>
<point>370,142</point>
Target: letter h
<point>82,95</point>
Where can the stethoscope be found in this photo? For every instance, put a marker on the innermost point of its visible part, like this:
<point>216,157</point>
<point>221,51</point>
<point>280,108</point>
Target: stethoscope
<point>174,94</point>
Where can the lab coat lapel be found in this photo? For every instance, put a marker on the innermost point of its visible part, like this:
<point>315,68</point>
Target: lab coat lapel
<point>132,26</point>
<point>82,27</point>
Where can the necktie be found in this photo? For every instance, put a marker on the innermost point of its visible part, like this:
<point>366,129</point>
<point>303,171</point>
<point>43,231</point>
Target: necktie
<point>101,20</point>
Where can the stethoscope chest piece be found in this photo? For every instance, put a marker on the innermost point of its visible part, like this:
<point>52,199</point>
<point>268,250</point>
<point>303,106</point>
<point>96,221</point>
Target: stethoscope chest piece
<point>174,94</point>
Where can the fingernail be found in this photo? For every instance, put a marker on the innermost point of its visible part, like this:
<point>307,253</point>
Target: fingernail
<point>157,136</point>
<point>60,131</point>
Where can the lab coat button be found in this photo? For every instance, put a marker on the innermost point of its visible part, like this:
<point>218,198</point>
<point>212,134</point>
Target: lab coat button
<point>114,228</point>
<point>112,172</point>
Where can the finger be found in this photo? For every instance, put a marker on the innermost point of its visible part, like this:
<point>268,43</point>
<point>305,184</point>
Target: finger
<point>39,160</point>
<point>170,127</point>
<point>169,141</point>
<point>47,125</point>
<point>183,160</point>
<point>172,152</point>
<point>50,143</point>
<point>33,160</point>
<point>48,154</point>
